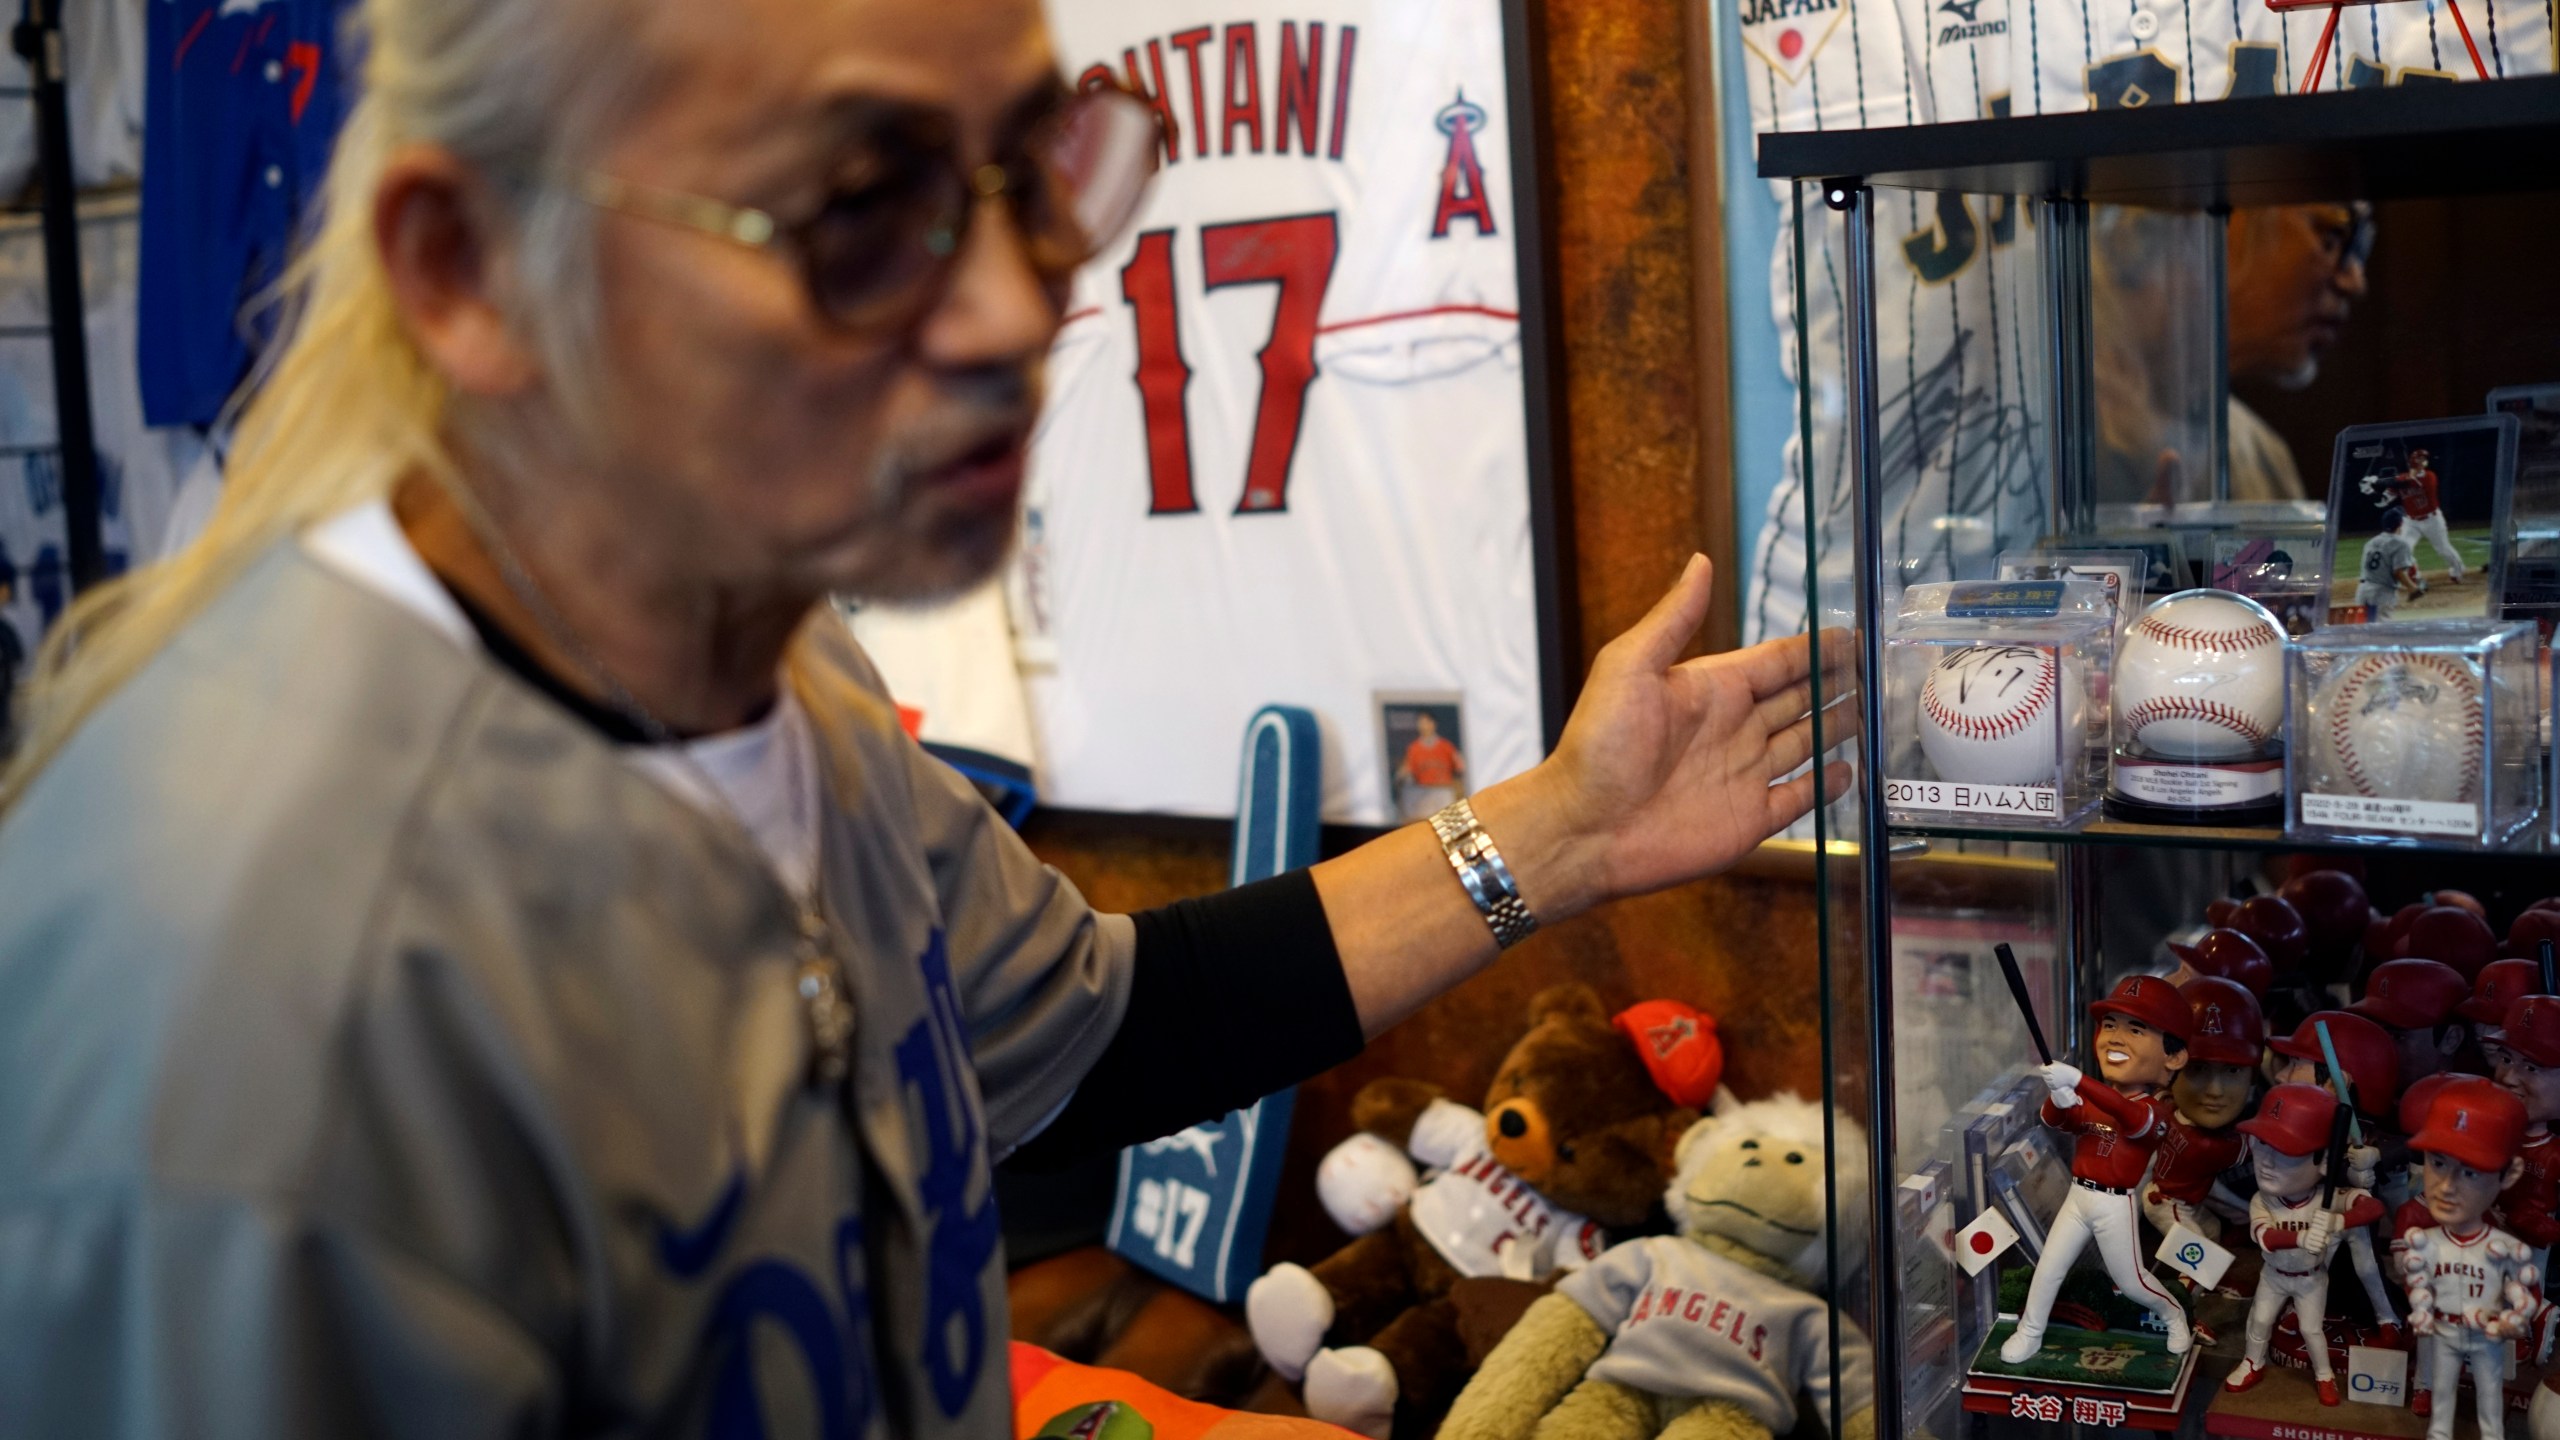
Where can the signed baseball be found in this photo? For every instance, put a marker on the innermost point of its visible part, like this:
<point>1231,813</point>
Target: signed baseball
<point>2201,677</point>
<point>1987,715</point>
<point>2399,725</point>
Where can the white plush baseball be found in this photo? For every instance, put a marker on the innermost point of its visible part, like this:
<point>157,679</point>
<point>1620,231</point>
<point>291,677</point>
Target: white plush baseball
<point>2201,677</point>
<point>2399,725</point>
<point>1987,714</point>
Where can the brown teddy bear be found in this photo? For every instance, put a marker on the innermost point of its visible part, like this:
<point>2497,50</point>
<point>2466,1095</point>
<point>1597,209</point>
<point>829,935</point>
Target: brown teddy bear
<point>1575,1137</point>
<point>1713,1333</point>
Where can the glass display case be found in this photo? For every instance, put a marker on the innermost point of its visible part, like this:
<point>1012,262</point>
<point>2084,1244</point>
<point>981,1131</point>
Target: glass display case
<point>2107,1064</point>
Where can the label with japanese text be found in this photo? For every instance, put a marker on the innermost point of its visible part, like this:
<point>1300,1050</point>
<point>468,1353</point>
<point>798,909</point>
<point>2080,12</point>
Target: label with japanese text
<point>2019,802</point>
<point>2405,817</point>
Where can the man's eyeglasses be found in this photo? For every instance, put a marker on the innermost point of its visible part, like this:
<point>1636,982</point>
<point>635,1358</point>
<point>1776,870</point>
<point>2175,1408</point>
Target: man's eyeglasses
<point>878,252</point>
<point>2346,237</point>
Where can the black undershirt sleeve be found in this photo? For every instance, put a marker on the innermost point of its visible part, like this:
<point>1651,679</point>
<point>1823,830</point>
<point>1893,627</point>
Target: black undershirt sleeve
<point>1235,995</point>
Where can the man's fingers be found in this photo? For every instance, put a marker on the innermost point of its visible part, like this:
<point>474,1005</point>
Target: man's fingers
<point>1655,641</point>
<point>1786,707</point>
<point>1792,800</point>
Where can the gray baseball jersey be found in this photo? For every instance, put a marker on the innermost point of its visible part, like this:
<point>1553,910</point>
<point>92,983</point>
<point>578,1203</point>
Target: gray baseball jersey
<point>2385,556</point>
<point>382,1053</point>
<point>1687,1321</point>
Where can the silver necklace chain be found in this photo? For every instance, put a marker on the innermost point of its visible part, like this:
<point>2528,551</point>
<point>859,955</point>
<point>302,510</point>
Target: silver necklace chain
<point>819,977</point>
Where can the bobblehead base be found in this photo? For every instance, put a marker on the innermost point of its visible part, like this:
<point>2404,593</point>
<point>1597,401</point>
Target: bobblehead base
<point>2090,1377</point>
<point>2283,1406</point>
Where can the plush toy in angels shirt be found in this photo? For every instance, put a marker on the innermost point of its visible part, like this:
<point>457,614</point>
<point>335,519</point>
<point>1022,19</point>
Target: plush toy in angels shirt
<point>1576,1135</point>
<point>1711,1334</point>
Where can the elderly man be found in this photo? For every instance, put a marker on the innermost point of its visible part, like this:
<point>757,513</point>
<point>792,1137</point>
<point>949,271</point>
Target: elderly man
<point>479,956</point>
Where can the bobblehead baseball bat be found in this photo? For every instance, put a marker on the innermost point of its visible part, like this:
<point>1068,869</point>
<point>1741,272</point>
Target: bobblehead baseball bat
<point>2338,1124</point>
<point>2018,992</point>
<point>2338,1080</point>
<point>2550,980</point>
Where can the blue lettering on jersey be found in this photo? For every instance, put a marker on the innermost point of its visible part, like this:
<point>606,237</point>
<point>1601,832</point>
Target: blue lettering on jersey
<point>932,1061</point>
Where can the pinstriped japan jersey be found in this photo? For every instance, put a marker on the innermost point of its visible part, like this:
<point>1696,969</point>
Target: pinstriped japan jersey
<point>2110,54</point>
<point>1954,287</point>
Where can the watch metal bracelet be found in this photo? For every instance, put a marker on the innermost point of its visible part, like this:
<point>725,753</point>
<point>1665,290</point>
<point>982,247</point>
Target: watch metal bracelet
<point>1481,870</point>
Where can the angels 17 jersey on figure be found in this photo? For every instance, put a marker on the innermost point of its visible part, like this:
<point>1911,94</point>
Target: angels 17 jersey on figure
<point>1285,456</point>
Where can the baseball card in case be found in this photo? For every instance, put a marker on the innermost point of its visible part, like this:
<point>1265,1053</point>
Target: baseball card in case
<point>1990,702</point>
<point>2418,517</point>
<point>2198,695</point>
<point>2416,733</point>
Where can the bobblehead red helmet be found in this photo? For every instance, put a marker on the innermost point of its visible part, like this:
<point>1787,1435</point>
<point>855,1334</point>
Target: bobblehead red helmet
<point>2293,1118</point>
<point>2525,937</point>
<point>2473,1121</point>
<point>2502,984</point>
<point>2413,1105</point>
<point>2453,935</point>
<point>2232,956</point>
<point>2226,1026</point>
<point>2279,929</point>
<point>2365,1052</point>
<point>2153,1001</point>
<point>2334,909</point>
<point>2533,1029</point>
<point>2413,994</point>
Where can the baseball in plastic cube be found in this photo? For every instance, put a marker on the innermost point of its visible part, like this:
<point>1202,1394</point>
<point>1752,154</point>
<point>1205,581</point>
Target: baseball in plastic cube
<point>2421,733</point>
<point>1988,702</point>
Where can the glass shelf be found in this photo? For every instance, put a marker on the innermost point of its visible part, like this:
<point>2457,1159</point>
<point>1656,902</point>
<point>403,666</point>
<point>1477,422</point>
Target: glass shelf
<point>2197,837</point>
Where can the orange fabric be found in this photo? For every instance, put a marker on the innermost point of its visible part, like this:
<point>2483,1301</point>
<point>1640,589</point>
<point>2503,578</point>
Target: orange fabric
<point>1432,763</point>
<point>1045,1387</point>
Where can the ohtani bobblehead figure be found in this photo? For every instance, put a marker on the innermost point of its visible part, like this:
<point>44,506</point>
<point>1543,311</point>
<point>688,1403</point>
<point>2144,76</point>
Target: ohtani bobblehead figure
<point>2297,1217</point>
<point>2472,1286</point>
<point>2530,1070</point>
<point>2211,1093</point>
<point>2141,1042</point>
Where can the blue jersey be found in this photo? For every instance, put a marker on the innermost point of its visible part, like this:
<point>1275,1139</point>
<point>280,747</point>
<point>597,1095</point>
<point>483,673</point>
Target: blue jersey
<point>243,105</point>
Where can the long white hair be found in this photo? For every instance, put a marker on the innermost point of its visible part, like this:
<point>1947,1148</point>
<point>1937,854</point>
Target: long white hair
<point>345,406</point>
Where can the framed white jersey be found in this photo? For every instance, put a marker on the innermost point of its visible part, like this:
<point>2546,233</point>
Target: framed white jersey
<point>1288,454</point>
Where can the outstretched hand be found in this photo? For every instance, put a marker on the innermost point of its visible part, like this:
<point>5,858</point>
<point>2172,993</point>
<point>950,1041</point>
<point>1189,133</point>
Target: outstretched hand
<point>1670,769</point>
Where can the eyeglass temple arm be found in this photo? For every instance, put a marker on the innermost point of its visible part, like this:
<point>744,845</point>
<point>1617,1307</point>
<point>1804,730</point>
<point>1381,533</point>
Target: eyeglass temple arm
<point>741,223</point>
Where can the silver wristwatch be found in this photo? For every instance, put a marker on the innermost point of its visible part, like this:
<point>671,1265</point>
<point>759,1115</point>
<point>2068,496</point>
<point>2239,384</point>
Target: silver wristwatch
<point>1480,869</point>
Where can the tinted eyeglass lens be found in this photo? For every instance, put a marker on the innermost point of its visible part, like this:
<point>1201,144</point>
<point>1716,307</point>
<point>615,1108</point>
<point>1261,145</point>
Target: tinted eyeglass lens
<point>871,251</point>
<point>1096,157</point>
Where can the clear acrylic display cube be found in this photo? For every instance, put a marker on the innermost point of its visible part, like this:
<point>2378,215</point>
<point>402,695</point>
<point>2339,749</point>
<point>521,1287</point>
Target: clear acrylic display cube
<point>2418,733</point>
<point>1995,703</point>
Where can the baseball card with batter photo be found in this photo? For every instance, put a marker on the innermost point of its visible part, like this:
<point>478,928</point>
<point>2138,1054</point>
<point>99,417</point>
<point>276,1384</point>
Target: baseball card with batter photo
<point>1424,741</point>
<point>2418,520</point>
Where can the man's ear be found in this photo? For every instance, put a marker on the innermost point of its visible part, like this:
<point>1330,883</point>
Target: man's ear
<point>2176,1059</point>
<point>436,225</point>
<point>2515,1172</point>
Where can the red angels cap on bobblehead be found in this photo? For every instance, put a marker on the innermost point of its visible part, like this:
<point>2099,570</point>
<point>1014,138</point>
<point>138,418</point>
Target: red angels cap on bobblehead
<point>2412,994</point>
<point>2153,1001</point>
<point>2293,1118</point>
<point>2413,1106</point>
<point>2533,1029</point>
<point>2364,1052</point>
<point>2474,1121</point>
<point>2501,984</point>
<point>2225,1026</point>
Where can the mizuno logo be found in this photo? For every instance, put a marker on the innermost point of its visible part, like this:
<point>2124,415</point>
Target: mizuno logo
<point>1968,25</point>
<point>1963,10</point>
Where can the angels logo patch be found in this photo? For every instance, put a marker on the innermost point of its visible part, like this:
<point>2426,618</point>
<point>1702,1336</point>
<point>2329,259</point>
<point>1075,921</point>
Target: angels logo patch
<point>1787,34</point>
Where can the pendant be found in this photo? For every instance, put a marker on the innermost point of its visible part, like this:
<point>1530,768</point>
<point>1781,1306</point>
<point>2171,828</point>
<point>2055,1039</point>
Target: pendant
<point>822,999</point>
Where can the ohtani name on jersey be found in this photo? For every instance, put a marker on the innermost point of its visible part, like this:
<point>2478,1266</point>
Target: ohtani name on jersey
<point>1760,12</point>
<point>1213,82</point>
<point>1721,1318</point>
<point>1517,1200</point>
